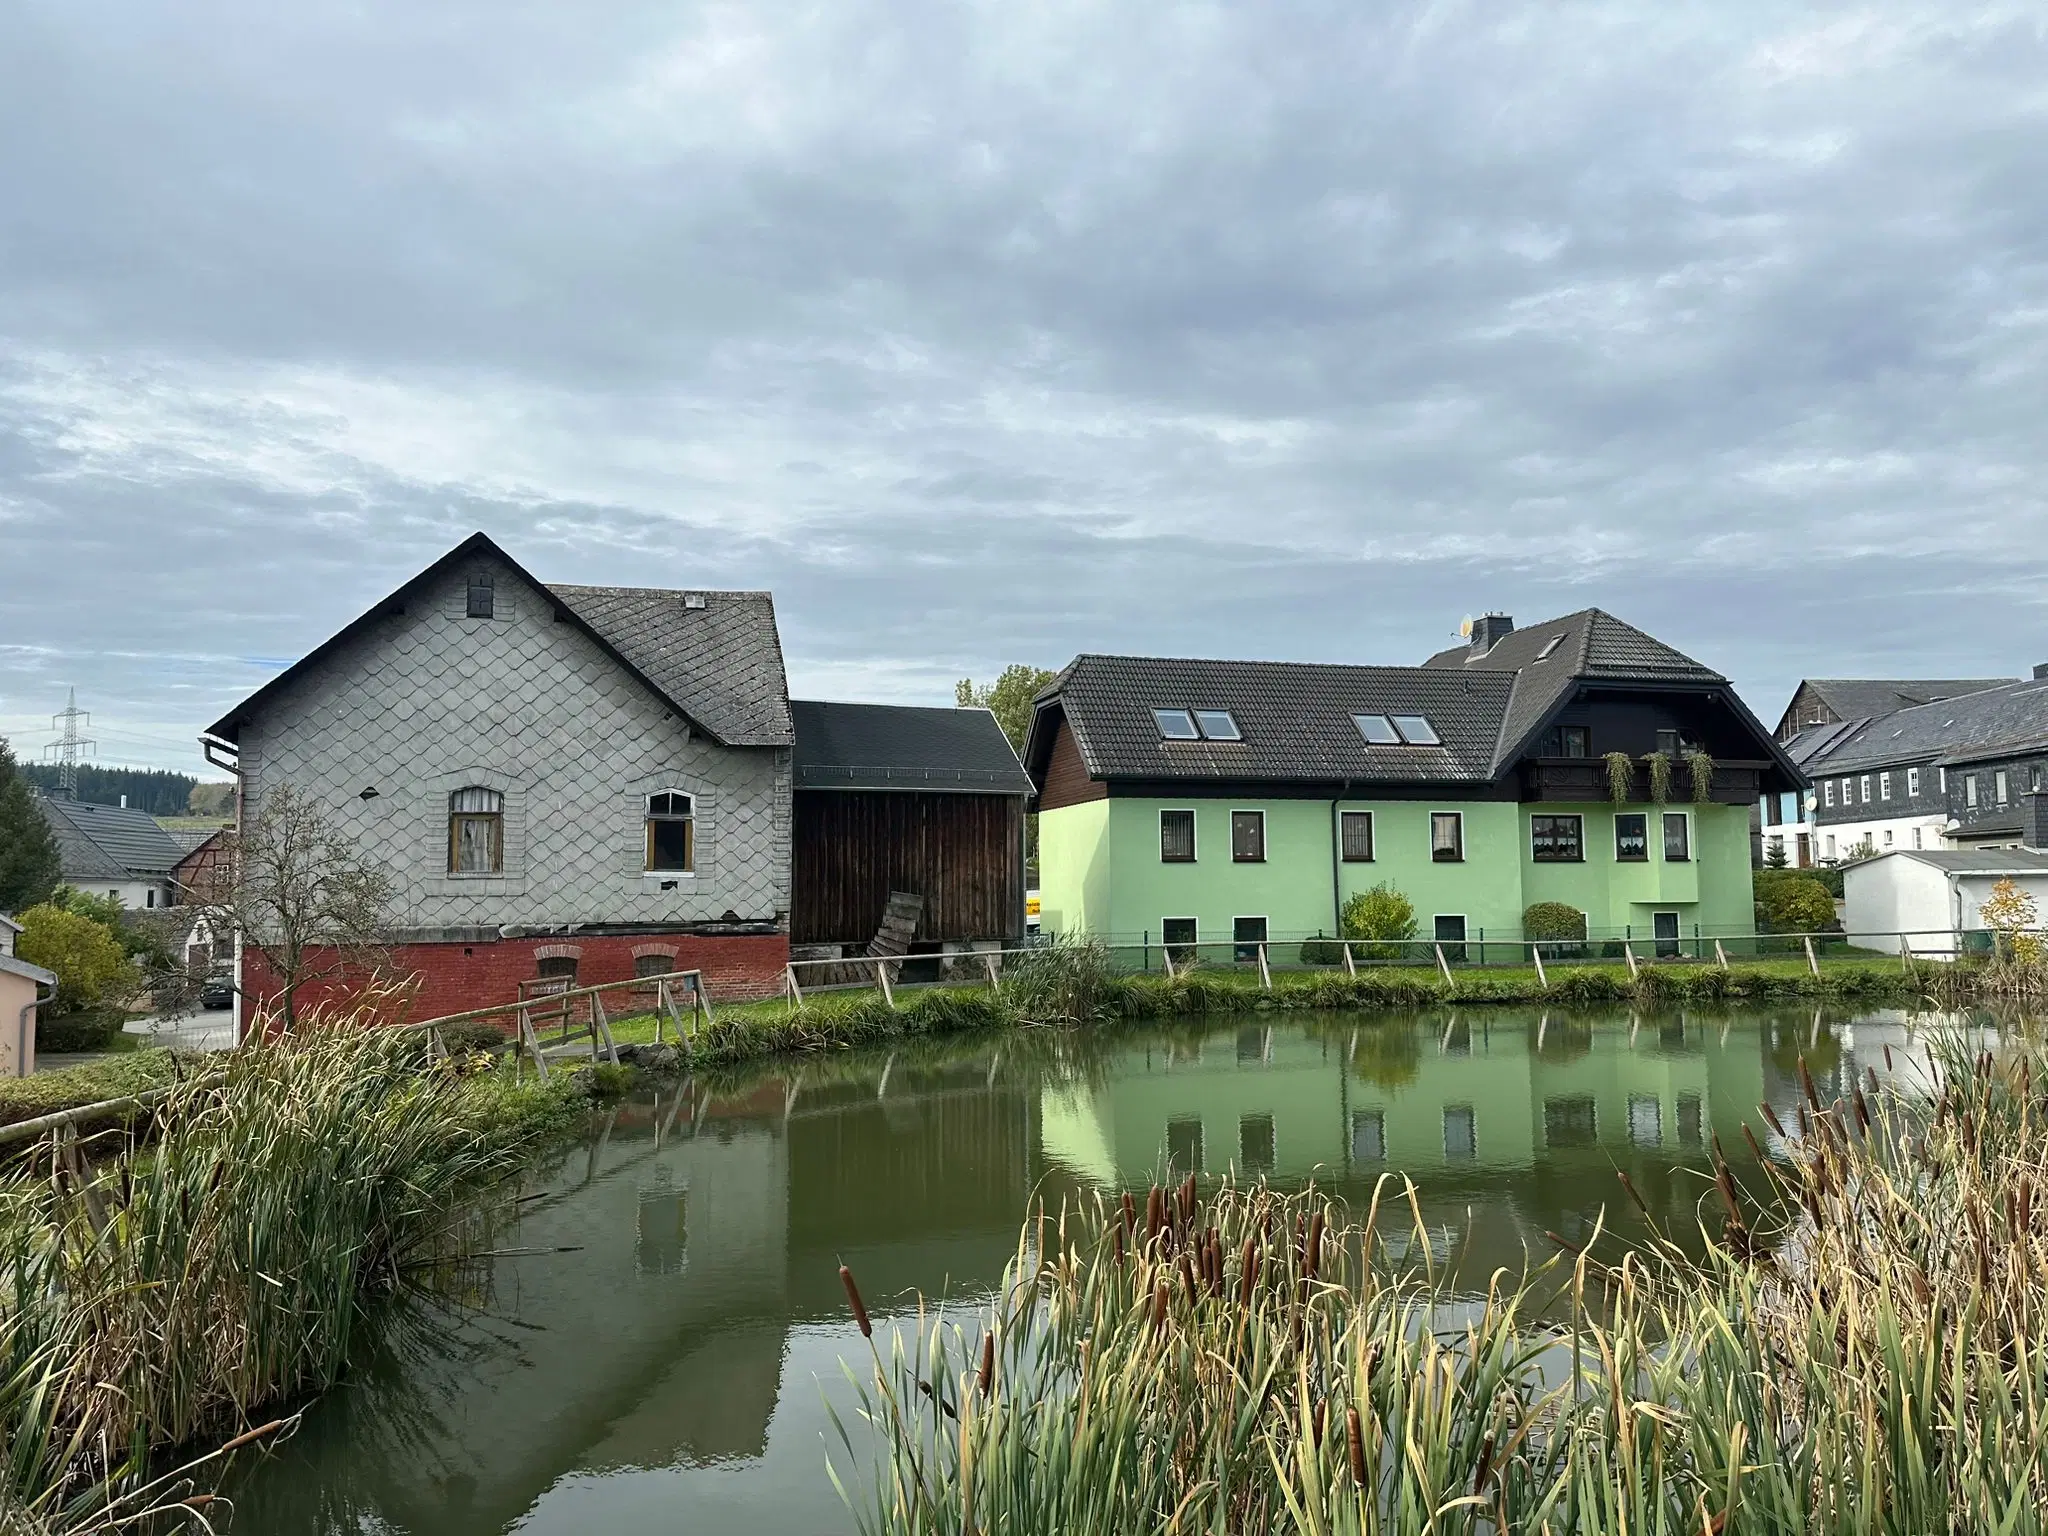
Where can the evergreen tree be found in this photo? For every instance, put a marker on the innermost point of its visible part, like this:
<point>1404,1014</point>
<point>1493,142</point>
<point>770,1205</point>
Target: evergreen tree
<point>28,848</point>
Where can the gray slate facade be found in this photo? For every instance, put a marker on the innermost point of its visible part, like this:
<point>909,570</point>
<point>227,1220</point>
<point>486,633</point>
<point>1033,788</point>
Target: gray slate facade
<point>419,700</point>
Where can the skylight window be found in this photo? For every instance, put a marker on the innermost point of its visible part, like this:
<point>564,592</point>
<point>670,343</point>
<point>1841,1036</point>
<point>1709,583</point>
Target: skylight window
<point>1377,729</point>
<point>1416,731</point>
<point>1176,725</point>
<point>1218,725</point>
<point>1548,646</point>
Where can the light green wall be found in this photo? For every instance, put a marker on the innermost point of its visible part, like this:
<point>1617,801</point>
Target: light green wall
<point>1102,874</point>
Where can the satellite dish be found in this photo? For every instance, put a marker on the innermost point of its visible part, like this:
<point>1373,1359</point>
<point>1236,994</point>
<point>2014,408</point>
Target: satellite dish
<point>1465,627</point>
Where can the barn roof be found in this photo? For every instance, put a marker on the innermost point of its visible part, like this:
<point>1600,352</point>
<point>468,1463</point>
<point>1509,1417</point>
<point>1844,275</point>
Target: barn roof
<point>903,746</point>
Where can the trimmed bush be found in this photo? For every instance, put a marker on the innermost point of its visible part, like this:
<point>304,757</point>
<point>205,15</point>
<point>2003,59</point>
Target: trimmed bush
<point>1381,913</point>
<point>1559,928</point>
<point>70,1032</point>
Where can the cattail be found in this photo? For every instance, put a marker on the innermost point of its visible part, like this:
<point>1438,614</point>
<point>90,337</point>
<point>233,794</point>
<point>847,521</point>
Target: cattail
<point>1862,1109</point>
<point>1155,1212</point>
<point>1316,1422</point>
<point>1130,1210</point>
<point>1187,1199</point>
<point>1187,1279</point>
<point>1485,1466</point>
<point>1247,1272</point>
<point>860,1309</point>
<point>1118,1229</point>
<point>988,1362</point>
<point>1312,1260</point>
<point>1159,1308</point>
<point>1354,1440</point>
<point>1772,1116</point>
<point>1754,1150</point>
<point>1888,1058</point>
<point>1806,1084</point>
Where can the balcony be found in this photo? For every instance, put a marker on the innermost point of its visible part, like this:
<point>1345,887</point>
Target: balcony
<point>1583,779</point>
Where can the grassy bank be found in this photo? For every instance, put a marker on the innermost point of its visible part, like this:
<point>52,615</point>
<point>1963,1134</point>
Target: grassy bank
<point>175,1292</point>
<point>1075,985</point>
<point>1858,1352</point>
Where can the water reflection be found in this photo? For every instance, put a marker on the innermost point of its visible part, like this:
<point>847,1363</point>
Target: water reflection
<point>672,1372</point>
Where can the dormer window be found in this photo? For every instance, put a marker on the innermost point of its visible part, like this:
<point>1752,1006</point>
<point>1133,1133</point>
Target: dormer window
<point>671,833</point>
<point>1218,724</point>
<point>482,596</point>
<point>1176,725</point>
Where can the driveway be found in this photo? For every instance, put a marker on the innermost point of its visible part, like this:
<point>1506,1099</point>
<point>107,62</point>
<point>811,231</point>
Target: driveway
<point>213,1030</point>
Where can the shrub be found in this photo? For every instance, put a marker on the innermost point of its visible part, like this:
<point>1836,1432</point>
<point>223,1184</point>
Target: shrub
<point>1381,913</point>
<point>90,965</point>
<point>85,1031</point>
<point>1554,925</point>
<point>1321,950</point>
<point>1789,901</point>
<point>473,1035</point>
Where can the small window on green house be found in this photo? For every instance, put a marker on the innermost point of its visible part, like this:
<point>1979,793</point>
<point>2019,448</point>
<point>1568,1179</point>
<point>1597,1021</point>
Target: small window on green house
<point>1179,934</point>
<point>1355,829</point>
<point>1632,837</point>
<point>1677,837</point>
<point>1247,933</point>
<point>1447,837</point>
<point>1177,837</point>
<point>1248,837</point>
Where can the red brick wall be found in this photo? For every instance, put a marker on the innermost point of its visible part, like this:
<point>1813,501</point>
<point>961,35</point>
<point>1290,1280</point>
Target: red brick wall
<point>454,978</point>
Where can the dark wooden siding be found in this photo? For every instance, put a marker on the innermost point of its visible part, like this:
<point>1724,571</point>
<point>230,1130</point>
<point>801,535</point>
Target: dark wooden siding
<point>963,853</point>
<point>1066,776</point>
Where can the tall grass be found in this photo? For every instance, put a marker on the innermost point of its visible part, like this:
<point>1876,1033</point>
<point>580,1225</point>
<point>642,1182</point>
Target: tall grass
<point>177,1291</point>
<point>1861,1351</point>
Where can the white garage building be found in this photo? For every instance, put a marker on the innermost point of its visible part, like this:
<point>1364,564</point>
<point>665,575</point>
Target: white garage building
<point>1935,897</point>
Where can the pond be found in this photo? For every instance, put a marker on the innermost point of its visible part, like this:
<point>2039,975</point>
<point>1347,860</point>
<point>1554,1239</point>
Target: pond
<point>673,1371</point>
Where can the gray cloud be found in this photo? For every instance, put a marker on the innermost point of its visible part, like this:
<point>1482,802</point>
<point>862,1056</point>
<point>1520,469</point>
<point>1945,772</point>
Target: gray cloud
<point>983,333</point>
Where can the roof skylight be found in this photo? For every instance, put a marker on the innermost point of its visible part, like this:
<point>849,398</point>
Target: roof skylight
<point>1378,730</point>
<point>1176,725</point>
<point>1548,646</point>
<point>1416,731</point>
<point>1218,725</point>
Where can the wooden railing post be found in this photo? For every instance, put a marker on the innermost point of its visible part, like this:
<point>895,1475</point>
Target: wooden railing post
<point>1350,965</point>
<point>1812,961</point>
<point>882,980</point>
<point>1445,966</point>
<point>1536,954</point>
<point>532,1042</point>
<point>796,993</point>
<point>1721,954</point>
<point>601,1031</point>
<point>1265,970</point>
<point>995,980</point>
<point>1628,953</point>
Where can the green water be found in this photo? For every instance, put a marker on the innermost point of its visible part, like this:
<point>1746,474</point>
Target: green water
<point>672,1373</point>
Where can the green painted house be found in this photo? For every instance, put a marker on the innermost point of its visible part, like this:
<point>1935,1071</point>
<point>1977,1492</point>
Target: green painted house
<point>1225,802</point>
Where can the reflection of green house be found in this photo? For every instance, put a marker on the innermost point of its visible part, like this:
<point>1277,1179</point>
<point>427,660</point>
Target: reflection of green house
<point>1483,1090</point>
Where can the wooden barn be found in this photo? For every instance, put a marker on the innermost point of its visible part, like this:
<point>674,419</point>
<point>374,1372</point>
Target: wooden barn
<point>911,801</point>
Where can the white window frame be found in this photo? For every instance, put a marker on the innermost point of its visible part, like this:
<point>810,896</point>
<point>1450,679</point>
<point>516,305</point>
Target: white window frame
<point>1827,792</point>
<point>2001,787</point>
<point>1943,779</point>
<point>648,818</point>
<point>1866,789</point>
<point>1432,837</point>
<point>1265,848</point>
<point>1663,856</point>
<point>1912,783</point>
<point>1372,832</point>
<point>1557,816</point>
<point>1884,786</point>
<point>1970,790</point>
<point>1194,833</point>
<point>1169,944</point>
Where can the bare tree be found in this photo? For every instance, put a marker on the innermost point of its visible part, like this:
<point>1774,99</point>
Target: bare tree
<point>300,896</point>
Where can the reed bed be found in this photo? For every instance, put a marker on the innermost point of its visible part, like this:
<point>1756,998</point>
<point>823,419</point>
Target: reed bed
<point>174,1292</point>
<point>1860,1349</point>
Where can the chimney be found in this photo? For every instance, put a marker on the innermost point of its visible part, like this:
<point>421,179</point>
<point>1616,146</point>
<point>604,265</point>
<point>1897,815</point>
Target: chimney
<point>1488,630</point>
<point>2034,820</point>
<point>2040,670</point>
<point>124,802</point>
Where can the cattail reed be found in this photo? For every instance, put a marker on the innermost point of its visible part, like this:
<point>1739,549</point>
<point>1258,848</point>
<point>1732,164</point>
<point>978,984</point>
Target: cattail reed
<point>1354,1443</point>
<point>985,1378</point>
<point>860,1308</point>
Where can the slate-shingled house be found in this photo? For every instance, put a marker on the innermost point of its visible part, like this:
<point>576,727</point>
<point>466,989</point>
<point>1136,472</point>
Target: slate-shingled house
<point>598,782</point>
<point>113,850</point>
<point>1226,801</point>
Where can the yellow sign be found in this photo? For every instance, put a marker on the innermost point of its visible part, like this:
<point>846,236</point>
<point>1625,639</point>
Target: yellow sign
<point>1031,906</point>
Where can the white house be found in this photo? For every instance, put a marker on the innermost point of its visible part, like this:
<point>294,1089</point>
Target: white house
<point>111,850</point>
<point>1935,897</point>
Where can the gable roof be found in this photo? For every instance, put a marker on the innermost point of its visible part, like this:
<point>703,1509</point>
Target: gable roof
<point>1294,717</point>
<point>1862,698</point>
<point>1971,726</point>
<point>899,746</point>
<point>746,694</point>
<point>721,664</point>
<point>1591,644</point>
<point>108,842</point>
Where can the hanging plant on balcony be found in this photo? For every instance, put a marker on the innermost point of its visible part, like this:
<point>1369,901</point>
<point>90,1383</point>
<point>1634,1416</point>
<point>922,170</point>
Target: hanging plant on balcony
<point>1699,768</point>
<point>1621,777</point>
<point>1659,764</point>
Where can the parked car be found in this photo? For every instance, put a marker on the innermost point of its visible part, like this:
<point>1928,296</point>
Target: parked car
<point>217,991</point>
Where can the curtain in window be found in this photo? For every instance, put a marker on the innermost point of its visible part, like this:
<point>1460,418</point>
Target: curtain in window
<point>476,831</point>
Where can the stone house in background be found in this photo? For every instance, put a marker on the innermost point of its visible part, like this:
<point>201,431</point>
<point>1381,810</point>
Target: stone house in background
<point>562,781</point>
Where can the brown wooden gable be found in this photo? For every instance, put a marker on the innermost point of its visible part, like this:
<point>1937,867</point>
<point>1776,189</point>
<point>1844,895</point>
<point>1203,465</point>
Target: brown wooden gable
<point>1066,776</point>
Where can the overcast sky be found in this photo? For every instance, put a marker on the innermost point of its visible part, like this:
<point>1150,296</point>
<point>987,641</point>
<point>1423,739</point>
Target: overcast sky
<point>994,332</point>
